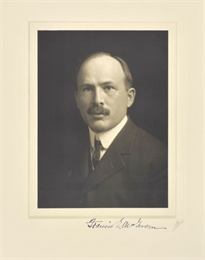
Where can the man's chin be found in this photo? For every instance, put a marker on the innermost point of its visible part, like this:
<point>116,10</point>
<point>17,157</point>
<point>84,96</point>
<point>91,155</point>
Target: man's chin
<point>98,126</point>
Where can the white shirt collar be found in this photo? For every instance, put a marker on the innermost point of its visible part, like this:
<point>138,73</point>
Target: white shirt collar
<point>107,137</point>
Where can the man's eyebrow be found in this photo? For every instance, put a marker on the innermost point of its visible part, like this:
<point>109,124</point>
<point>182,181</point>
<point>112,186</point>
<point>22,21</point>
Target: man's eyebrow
<point>106,83</point>
<point>86,85</point>
<point>101,83</point>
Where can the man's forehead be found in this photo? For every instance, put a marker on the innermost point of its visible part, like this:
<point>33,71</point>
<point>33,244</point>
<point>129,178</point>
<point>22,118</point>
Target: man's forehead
<point>101,64</point>
<point>102,59</point>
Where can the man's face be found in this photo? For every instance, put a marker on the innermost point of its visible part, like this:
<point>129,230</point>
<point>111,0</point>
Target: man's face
<point>102,97</point>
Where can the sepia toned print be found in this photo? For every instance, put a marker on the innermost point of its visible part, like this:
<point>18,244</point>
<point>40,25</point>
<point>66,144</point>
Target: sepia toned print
<point>128,168</point>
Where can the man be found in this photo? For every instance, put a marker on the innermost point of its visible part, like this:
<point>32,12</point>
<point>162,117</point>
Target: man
<point>116,163</point>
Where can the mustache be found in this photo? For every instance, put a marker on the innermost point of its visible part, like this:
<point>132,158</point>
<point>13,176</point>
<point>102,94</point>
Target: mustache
<point>98,109</point>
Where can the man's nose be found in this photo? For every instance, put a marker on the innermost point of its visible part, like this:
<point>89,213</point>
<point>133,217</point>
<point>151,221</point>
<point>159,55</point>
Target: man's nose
<point>98,96</point>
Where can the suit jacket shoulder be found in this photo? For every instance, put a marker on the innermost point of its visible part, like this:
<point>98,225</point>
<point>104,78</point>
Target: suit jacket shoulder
<point>132,173</point>
<point>150,149</point>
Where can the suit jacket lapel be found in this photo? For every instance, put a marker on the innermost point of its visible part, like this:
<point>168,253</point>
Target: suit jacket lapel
<point>113,160</point>
<point>80,165</point>
<point>84,164</point>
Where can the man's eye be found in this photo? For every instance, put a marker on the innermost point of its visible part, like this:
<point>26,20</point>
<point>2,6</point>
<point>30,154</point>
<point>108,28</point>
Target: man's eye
<point>109,88</point>
<point>87,89</point>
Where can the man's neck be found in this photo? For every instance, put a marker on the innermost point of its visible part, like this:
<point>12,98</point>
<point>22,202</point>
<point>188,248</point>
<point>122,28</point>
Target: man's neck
<point>107,137</point>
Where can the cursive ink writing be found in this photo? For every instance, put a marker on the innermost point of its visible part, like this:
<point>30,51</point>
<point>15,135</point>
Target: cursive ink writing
<point>177,224</point>
<point>121,224</point>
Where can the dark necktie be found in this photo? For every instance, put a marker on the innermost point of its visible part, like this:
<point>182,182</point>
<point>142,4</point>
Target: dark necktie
<point>96,154</point>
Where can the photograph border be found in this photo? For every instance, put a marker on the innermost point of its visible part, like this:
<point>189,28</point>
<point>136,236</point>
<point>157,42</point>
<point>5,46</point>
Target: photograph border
<point>33,119</point>
<point>27,235</point>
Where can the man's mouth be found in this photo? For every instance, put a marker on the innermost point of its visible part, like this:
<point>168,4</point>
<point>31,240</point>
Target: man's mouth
<point>98,116</point>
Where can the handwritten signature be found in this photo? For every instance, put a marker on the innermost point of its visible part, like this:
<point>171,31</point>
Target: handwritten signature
<point>177,224</point>
<point>121,224</point>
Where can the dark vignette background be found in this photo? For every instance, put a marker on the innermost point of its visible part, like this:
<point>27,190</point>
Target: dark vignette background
<point>59,121</point>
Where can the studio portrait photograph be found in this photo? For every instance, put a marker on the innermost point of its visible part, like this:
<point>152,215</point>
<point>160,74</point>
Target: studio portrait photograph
<point>102,130</point>
<point>102,119</point>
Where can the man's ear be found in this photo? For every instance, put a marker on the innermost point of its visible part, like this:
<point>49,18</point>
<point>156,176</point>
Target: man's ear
<point>76,97</point>
<point>131,93</point>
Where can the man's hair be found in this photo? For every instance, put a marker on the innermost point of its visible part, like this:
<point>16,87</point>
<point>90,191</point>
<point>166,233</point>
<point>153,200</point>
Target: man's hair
<point>125,68</point>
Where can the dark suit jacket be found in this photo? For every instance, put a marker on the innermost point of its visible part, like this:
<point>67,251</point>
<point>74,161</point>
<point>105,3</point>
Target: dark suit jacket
<point>132,173</point>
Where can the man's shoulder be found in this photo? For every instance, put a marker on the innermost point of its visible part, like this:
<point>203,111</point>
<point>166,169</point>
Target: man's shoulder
<point>145,145</point>
<point>146,140</point>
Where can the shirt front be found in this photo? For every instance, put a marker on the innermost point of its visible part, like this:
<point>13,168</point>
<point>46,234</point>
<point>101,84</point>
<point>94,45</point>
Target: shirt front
<point>106,138</point>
